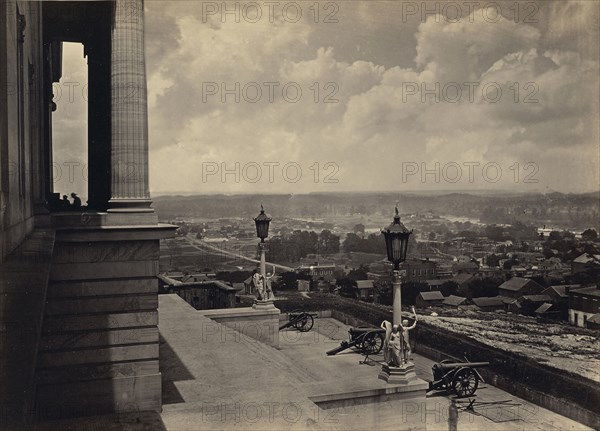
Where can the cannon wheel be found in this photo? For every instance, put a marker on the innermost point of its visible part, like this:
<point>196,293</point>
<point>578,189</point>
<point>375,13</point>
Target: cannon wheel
<point>465,382</point>
<point>371,343</point>
<point>304,324</point>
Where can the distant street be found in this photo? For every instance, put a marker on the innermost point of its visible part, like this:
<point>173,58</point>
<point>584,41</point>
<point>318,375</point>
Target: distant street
<point>203,245</point>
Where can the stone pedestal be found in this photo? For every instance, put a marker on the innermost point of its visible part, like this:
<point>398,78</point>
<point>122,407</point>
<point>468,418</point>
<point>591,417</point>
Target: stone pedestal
<point>266,304</point>
<point>403,374</point>
<point>261,324</point>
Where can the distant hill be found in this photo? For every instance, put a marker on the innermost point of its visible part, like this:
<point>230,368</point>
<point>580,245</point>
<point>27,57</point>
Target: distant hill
<point>571,209</point>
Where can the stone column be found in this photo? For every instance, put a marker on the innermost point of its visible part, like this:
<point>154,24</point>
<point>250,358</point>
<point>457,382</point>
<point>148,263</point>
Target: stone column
<point>129,151</point>
<point>397,292</point>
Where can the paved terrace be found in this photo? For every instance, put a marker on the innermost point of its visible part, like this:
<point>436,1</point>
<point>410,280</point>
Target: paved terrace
<point>216,379</point>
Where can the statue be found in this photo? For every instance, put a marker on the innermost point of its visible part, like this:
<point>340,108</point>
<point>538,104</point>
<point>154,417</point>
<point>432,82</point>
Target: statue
<point>259,286</point>
<point>262,286</point>
<point>268,288</point>
<point>406,351</point>
<point>396,344</point>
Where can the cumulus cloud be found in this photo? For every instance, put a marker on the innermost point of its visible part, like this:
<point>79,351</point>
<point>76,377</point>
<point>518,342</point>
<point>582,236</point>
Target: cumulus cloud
<point>376,92</point>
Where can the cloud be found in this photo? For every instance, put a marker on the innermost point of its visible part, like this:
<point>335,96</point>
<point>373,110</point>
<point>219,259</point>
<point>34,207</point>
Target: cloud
<point>379,116</point>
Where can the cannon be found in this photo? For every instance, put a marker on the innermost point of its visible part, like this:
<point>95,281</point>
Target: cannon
<point>461,378</point>
<point>300,320</point>
<point>368,341</point>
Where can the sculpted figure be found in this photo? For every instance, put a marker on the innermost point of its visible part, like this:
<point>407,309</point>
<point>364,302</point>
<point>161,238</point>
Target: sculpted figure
<point>396,346</point>
<point>268,289</point>
<point>259,286</point>
<point>406,351</point>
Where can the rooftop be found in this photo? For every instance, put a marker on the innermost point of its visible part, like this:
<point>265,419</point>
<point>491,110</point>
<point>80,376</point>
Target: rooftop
<point>454,300</point>
<point>250,386</point>
<point>592,291</point>
<point>489,301</point>
<point>434,295</point>
<point>515,284</point>
<point>364,284</point>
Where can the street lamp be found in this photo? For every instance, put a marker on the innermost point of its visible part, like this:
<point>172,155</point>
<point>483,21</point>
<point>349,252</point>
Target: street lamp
<point>398,369</point>
<point>262,231</point>
<point>262,224</point>
<point>396,242</point>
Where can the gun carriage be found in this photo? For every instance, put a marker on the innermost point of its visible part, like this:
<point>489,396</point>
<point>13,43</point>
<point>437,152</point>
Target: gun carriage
<point>462,378</point>
<point>367,340</point>
<point>300,320</point>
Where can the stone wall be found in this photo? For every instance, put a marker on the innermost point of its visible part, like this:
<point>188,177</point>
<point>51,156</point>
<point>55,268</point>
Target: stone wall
<point>99,347</point>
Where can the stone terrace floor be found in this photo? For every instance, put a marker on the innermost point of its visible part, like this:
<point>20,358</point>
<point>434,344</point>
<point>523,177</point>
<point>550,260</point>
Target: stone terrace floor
<point>216,379</point>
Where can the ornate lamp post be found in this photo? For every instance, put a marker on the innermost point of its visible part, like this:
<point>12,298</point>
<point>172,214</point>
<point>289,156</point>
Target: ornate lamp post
<point>397,367</point>
<point>396,241</point>
<point>262,231</point>
<point>263,284</point>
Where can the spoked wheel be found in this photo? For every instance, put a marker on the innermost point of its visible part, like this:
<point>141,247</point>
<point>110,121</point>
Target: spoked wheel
<point>371,343</point>
<point>465,382</point>
<point>305,324</point>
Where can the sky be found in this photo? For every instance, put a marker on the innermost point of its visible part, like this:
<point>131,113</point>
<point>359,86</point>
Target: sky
<point>363,96</point>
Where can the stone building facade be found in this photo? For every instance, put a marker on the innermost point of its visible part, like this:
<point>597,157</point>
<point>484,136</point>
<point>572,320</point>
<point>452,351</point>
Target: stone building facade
<point>79,291</point>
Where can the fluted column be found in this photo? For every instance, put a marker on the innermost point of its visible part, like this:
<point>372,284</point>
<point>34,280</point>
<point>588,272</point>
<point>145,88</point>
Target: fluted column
<point>129,126</point>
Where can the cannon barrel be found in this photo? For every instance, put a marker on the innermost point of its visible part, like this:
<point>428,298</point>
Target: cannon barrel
<point>364,329</point>
<point>450,365</point>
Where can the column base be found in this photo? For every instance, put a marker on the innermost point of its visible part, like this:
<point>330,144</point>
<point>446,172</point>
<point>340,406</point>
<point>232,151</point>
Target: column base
<point>264,304</point>
<point>403,374</point>
<point>129,205</point>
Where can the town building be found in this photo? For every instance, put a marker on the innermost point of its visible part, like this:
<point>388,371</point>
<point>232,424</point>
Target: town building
<point>489,303</point>
<point>518,286</point>
<point>419,270</point>
<point>586,263</point>
<point>429,299</point>
<point>303,285</point>
<point>454,301</point>
<point>365,289</point>
<point>528,304</point>
<point>583,304</point>
<point>322,275</point>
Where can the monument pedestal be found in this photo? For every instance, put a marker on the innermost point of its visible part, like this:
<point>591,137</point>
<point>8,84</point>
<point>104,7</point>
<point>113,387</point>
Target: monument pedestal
<point>398,375</point>
<point>264,304</point>
<point>260,322</point>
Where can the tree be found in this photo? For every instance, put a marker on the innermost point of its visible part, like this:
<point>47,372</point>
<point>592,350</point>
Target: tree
<point>288,281</point>
<point>495,233</point>
<point>554,236</point>
<point>492,260</point>
<point>432,236</point>
<point>449,288</point>
<point>348,287</point>
<point>328,242</point>
<point>383,291</point>
<point>359,273</point>
<point>411,290</point>
<point>359,229</point>
<point>479,287</point>
<point>589,235</point>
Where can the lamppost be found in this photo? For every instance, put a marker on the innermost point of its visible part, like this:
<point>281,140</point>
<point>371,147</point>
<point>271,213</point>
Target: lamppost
<point>396,242</point>
<point>262,231</point>
<point>397,369</point>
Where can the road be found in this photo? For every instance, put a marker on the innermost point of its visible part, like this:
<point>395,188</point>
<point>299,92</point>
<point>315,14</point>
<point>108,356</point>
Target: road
<point>203,245</point>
